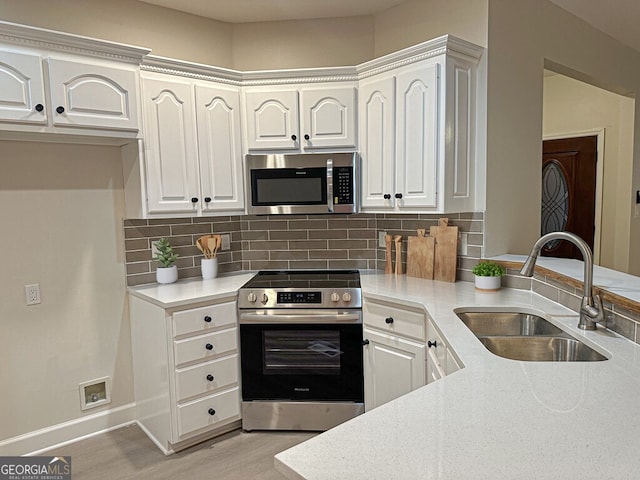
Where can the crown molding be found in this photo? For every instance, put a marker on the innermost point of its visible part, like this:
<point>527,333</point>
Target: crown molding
<point>42,38</point>
<point>199,71</point>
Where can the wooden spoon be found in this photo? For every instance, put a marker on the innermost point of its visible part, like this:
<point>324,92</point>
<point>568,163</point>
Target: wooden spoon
<point>211,245</point>
<point>202,247</point>
<point>387,266</point>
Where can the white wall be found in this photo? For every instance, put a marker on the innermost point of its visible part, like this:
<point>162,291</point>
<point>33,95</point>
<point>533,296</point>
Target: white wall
<point>168,32</point>
<point>571,107</point>
<point>522,36</point>
<point>61,208</point>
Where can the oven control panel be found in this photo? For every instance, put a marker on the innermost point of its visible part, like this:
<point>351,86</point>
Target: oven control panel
<point>272,298</point>
<point>299,297</point>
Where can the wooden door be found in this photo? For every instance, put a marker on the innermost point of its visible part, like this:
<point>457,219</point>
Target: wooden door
<point>568,192</point>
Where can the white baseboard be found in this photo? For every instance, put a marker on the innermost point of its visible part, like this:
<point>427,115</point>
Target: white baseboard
<point>38,441</point>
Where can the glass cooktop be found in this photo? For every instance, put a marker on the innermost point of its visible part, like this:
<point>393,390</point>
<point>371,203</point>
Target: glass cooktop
<point>274,279</point>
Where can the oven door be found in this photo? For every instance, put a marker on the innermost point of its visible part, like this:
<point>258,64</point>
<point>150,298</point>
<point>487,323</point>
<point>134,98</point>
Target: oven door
<point>302,361</point>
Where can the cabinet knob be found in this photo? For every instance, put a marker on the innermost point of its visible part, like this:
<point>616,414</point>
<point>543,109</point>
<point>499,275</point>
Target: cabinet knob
<point>294,138</point>
<point>387,196</point>
<point>194,199</point>
<point>207,199</point>
<point>306,136</point>
<point>432,344</point>
<point>365,342</point>
<point>60,109</point>
<point>208,346</point>
<point>388,320</point>
<point>398,195</point>
<point>210,377</point>
<point>39,107</point>
<point>211,411</point>
<point>207,319</point>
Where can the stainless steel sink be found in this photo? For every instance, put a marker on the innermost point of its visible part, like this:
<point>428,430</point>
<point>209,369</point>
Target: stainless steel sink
<point>542,349</point>
<point>507,323</point>
<point>527,337</point>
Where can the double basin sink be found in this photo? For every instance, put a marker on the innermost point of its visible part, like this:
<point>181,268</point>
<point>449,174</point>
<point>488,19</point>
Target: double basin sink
<point>527,337</point>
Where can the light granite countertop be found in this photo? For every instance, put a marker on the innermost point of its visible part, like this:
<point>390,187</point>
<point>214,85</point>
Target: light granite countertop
<point>496,418</point>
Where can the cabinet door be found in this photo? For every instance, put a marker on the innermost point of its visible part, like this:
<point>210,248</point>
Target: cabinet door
<point>93,95</point>
<point>21,88</point>
<point>328,117</point>
<point>272,120</point>
<point>417,138</point>
<point>393,366</point>
<point>377,142</point>
<point>219,148</point>
<point>170,146</point>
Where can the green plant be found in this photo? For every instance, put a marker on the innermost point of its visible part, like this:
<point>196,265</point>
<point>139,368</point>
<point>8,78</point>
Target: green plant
<point>165,254</point>
<point>488,269</point>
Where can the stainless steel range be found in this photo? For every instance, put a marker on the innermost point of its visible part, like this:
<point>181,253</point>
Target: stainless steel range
<point>301,349</point>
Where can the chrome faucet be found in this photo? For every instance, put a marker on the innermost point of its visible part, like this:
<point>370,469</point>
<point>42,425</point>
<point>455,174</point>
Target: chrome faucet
<point>591,310</point>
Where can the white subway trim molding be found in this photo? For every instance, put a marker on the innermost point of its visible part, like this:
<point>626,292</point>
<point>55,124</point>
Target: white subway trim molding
<point>38,441</point>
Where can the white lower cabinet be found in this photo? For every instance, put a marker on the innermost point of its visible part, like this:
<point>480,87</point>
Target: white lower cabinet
<point>186,371</point>
<point>394,357</point>
<point>393,366</point>
<point>403,350</point>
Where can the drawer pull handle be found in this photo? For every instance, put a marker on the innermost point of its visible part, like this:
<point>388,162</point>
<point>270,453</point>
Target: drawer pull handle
<point>210,377</point>
<point>207,319</point>
<point>212,411</point>
<point>432,344</point>
<point>60,110</point>
<point>208,346</point>
<point>388,320</point>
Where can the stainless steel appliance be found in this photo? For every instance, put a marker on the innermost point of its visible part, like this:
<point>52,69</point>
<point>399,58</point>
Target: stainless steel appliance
<point>301,184</point>
<point>301,349</point>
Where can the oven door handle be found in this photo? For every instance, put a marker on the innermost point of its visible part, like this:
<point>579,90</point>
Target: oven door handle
<point>264,318</point>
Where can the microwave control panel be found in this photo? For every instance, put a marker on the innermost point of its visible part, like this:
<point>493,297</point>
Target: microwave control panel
<point>343,186</point>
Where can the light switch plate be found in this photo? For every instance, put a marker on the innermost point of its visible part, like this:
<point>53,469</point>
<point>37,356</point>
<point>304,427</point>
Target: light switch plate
<point>226,242</point>
<point>381,241</point>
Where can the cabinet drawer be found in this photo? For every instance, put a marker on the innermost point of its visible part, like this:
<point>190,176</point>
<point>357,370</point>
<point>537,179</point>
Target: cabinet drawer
<point>209,411</point>
<point>194,380</point>
<point>206,346</point>
<point>400,321</point>
<point>199,320</point>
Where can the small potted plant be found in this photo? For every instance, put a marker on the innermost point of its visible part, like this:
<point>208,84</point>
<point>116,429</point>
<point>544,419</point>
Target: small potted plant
<point>167,272</point>
<point>488,275</point>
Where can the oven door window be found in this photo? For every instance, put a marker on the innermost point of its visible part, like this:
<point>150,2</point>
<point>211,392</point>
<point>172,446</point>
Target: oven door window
<point>302,362</point>
<point>289,186</point>
<point>304,352</point>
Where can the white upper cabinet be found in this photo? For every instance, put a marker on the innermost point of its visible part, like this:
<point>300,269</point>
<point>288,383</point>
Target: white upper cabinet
<point>303,119</point>
<point>417,130</point>
<point>87,95</point>
<point>22,88</point>
<point>193,149</point>
<point>220,147</point>
<point>44,88</point>
<point>170,146</point>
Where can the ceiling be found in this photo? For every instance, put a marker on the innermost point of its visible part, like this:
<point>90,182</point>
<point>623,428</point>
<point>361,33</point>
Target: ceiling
<point>241,11</point>
<point>617,18</point>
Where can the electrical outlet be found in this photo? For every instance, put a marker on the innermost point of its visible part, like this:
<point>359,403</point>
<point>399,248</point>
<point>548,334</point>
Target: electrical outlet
<point>226,242</point>
<point>381,241</point>
<point>154,249</point>
<point>32,293</point>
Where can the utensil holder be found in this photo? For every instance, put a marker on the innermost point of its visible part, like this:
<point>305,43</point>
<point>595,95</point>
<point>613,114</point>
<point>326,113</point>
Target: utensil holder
<point>209,268</point>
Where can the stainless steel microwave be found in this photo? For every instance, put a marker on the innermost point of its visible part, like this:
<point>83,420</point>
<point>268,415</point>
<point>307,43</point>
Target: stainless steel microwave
<point>301,184</point>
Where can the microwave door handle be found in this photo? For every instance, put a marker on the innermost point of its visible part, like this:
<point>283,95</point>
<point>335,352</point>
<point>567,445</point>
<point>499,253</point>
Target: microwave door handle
<point>330,185</point>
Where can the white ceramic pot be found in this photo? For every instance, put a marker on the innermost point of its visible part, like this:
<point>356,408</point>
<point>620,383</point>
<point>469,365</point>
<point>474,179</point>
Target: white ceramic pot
<point>167,274</point>
<point>209,268</point>
<point>488,283</point>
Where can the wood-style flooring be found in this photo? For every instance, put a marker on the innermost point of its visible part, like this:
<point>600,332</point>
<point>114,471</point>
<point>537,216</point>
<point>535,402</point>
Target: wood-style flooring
<point>127,453</point>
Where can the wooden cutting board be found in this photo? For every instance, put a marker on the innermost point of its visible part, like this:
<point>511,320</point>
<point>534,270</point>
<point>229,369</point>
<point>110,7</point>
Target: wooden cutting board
<point>446,251</point>
<point>420,252</point>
